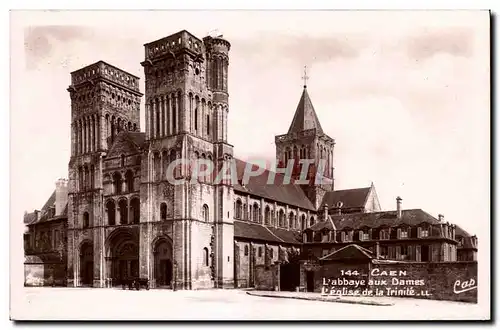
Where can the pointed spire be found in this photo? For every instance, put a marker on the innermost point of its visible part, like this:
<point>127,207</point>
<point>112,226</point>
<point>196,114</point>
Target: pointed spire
<point>305,117</point>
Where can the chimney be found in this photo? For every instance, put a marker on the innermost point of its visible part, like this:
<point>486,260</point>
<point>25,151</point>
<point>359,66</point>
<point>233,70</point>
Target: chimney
<point>377,250</point>
<point>440,217</point>
<point>61,195</point>
<point>398,204</point>
<point>325,210</point>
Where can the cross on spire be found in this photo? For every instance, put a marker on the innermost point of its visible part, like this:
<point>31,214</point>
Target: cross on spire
<point>305,77</point>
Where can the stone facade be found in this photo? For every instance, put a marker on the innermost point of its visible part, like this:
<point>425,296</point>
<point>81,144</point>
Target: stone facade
<point>125,217</point>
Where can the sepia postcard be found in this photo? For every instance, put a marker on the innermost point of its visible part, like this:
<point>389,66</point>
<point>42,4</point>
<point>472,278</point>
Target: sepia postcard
<point>250,165</point>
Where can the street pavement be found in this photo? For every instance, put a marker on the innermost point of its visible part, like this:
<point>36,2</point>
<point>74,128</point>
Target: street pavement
<point>117,304</point>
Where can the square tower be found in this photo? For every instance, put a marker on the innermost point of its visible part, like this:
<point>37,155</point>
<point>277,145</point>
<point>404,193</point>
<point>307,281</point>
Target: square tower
<point>104,101</point>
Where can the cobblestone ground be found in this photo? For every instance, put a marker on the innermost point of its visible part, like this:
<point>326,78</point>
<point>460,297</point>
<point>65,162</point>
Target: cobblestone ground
<point>116,304</point>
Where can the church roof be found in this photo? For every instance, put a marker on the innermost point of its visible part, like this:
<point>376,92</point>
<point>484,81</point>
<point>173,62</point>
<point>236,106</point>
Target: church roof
<point>375,220</point>
<point>256,231</point>
<point>278,191</point>
<point>126,143</point>
<point>305,117</point>
<point>350,198</point>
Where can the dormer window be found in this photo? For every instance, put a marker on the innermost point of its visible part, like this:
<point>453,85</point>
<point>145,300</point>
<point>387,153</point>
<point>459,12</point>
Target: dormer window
<point>325,236</point>
<point>403,233</point>
<point>384,234</point>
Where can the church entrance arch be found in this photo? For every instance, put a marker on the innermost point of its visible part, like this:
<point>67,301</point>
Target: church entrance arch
<point>86,264</point>
<point>122,254</point>
<point>162,252</point>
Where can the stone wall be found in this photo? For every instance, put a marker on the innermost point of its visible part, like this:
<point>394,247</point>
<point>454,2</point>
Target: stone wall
<point>455,281</point>
<point>442,280</point>
<point>266,278</point>
<point>44,274</point>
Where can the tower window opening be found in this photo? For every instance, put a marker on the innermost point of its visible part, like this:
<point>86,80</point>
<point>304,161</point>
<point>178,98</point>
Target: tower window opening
<point>196,119</point>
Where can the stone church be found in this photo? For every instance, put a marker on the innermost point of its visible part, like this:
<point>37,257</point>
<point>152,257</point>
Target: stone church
<point>125,218</point>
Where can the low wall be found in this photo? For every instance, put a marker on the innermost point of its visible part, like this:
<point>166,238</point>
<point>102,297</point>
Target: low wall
<point>266,277</point>
<point>437,280</point>
<point>44,274</point>
<point>455,281</point>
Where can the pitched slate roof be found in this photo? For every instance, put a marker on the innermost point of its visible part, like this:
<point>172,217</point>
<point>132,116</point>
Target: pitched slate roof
<point>45,216</point>
<point>279,191</point>
<point>375,220</point>
<point>255,231</point>
<point>467,238</point>
<point>460,232</point>
<point>289,236</point>
<point>305,117</point>
<point>29,218</point>
<point>350,198</point>
<point>350,252</point>
<point>126,143</point>
<point>50,202</point>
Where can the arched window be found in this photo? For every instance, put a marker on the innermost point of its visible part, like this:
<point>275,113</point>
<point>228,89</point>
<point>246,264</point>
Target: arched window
<point>246,250</point>
<point>208,125</point>
<point>122,160</point>
<point>117,182</point>
<point>303,222</point>
<point>267,214</point>
<point>111,210</point>
<point>92,171</point>
<point>80,178</point>
<point>163,211</point>
<point>113,128</point>
<point>86,176</point>
<point>205,214</point>
<point>135,211</point>
<point>290,219</point>
<point>311,221</point>
<point>86,221</point>
<point>255,216</point>
<point>239,209</point>
<point>123,211</point>
<point>157,165</point>
<point>129,177</point>
<point>205,257</point>
<point>164,165</point>
<point>174,114</point>
<point>281,218</point>
<point>196,118</point>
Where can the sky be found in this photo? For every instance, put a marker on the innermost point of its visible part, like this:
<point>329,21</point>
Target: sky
<point>405,95</point>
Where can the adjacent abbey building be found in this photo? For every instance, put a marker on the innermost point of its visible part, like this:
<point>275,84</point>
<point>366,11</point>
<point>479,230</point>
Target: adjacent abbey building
<point>121,217</point>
